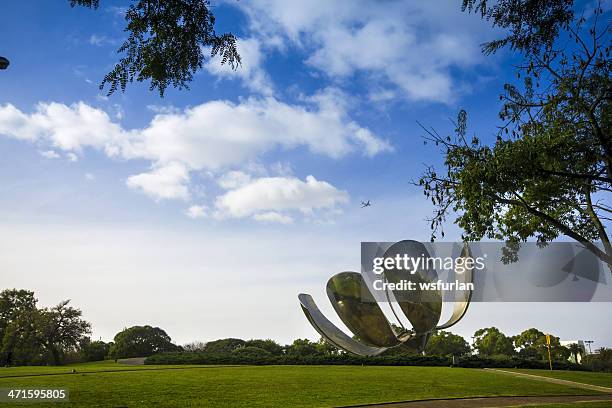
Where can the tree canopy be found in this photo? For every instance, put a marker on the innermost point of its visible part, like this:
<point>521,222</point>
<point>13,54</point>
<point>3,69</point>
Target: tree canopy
<point>166,43</point>
<point>141,341</point>
<point>302,347</point>
<point>225,345</point>
<point>60,329</point>
<point>95,350</point>
<point>575,350</point>
<point>29,335</point>
<point>269,345</point>
<point>532,344</point>
<point>445,343</point>
<point>549,171</point>
<point>491,341</point>
<point>530,24</point>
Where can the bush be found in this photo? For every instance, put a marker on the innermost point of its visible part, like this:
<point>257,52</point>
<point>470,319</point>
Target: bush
<point>251,352</point>
<point>269,345</point>
<point>223,346</point>
<point>515,362</point>
<point>250,357</point>
<point>599,361</point>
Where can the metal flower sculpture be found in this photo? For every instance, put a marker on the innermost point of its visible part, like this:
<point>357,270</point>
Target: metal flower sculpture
<point>364,317</point>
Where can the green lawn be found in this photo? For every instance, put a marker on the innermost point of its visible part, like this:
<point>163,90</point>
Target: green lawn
<point>601,379</point>
<point>83,368</point>
<point>248,386</point>
<point>587,404</point>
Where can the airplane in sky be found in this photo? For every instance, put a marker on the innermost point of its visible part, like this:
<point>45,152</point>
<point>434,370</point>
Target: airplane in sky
<point>365,204</point>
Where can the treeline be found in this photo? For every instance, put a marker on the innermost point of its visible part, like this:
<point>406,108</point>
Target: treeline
<point>444,349</point>
<point>491,348</point>
<point>30,335</point>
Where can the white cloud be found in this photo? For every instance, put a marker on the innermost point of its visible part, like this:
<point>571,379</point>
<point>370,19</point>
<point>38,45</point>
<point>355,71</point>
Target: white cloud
<point>381,95</point>
<point>371,144</point>
<point>68,128</point>
<point>219,133</point>
<point>277,194</point>
<point>72,157</point>
<point>216,137</point>
<point>393,42</point>
<point>281,169</point>
<point>49,154</point>
<point>196,211</point>
<point>102,40</point>
<point>233,179</point>
<point>250,71</point>
<point>211,136</point>
<point>167,182</point>
<point>273,217</point>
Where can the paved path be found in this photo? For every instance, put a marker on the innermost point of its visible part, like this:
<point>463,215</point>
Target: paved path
<point>555,380</point>
<point>490,401</point>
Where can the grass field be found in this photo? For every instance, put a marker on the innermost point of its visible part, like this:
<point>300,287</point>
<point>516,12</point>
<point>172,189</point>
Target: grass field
<point>588,404</point>
<point>601,379</point>
<point>180,386</point>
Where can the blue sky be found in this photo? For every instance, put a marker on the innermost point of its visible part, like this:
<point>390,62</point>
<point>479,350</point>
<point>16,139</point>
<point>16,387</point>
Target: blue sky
<point>205,212</point>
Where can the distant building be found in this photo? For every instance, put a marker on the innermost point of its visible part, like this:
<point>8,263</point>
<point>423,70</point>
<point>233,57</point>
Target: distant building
<point>580,343</point>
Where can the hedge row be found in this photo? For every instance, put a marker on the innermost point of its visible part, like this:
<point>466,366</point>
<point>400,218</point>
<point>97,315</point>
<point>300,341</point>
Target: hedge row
<point>516,362</point>
<point>346,359</point>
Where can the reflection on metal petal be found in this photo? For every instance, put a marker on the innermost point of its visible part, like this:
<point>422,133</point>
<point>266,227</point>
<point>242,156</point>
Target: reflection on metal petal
<point>422,308</point>
<point>462,297</point>
<point>331,333</point>
<point>363,317</point>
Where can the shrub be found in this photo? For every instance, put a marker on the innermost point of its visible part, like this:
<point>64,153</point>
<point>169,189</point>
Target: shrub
<point>251,352</point>
<point>599,361</point>
<point>256,357</point>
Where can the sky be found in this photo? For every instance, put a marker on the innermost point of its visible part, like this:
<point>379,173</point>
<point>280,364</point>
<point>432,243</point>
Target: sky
<point>207,211</point>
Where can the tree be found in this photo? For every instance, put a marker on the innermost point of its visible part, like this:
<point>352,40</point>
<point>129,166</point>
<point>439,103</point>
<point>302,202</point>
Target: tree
<point>194,347</point>
<point>166,43</point>
<point>20,344</point>
<point>13,302</point>
<point>269,345</point>
<point>224,346</point>
<point>532,344</point>
<point>141,341</point>
<point>16,332</point>
<point>251,352</point>
<point>576,350</point>
<point>95,350</point>
<point>445,343</point>
<point>491,341</point>
<point>29,335</point>
<point>549,172</point>
<point>302,347</point>
<point>325,348</point>
<point>60,329</point>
